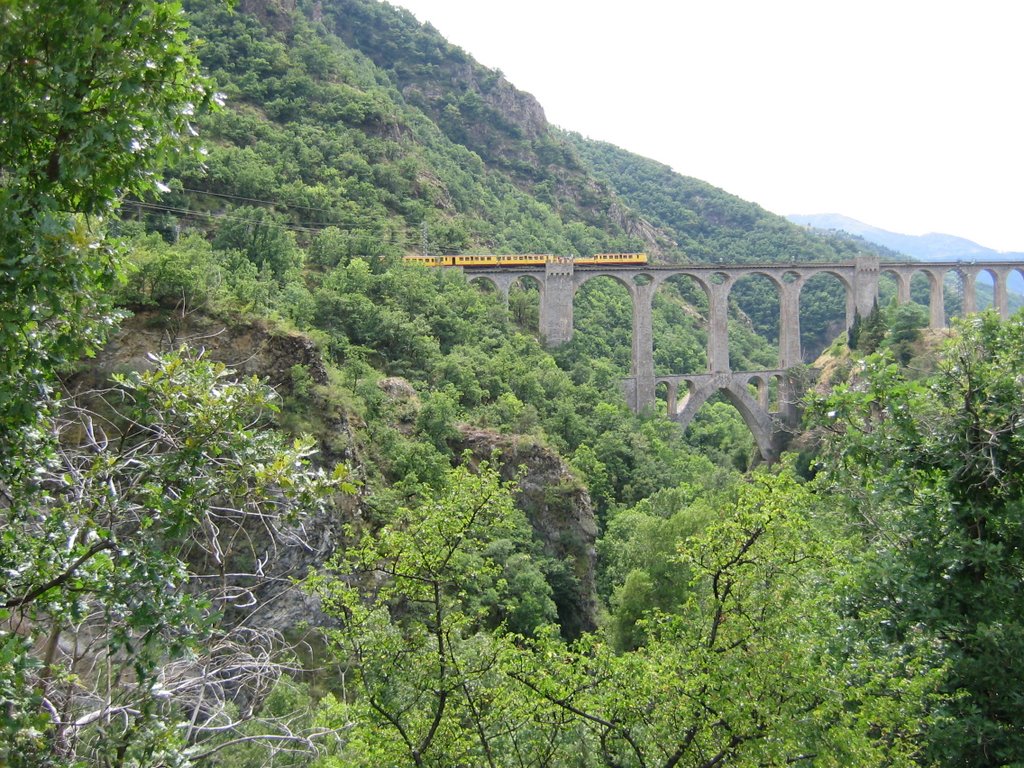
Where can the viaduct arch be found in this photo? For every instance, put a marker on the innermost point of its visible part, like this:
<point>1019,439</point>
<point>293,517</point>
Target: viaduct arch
<point>559,280</point>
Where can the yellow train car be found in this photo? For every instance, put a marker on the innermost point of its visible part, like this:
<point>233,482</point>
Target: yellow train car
<point>426,261</point>
<point>612,259</point>
<point>471,260</point>
<point>480,260</point>
<point>476,260</point>
<point>506,260</point>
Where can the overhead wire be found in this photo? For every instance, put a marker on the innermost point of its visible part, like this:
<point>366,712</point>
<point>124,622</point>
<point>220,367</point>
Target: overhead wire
<point>310,227</point>
<point>256,200</point>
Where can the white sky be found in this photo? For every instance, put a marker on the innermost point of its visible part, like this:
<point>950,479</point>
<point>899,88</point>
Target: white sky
<point>905,114</point>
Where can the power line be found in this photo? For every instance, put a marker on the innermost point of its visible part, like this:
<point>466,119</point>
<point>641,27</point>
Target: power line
<point>310,227</point>
<point>256,200</point>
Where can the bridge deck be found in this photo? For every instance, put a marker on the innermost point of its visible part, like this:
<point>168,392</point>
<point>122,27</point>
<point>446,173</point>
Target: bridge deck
<point>753,266</point>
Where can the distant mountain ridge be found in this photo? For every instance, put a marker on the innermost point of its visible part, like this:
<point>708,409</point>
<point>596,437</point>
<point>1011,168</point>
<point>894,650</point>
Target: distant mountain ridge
<point>933,246</point>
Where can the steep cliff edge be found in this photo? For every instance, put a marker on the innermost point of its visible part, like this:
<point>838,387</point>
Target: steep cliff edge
<point>554,501</point>
<point>558,507</point>
<point>251,348</point>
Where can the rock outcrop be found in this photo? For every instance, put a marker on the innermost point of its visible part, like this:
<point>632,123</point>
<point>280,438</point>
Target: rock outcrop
<point>553,499</point>
<point>558,507</point>
<point>251,348</point>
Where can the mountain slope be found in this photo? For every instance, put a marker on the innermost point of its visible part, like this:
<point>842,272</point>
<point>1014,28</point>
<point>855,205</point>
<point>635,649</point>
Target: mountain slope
<point>353,114</point>
<point>401,140</point>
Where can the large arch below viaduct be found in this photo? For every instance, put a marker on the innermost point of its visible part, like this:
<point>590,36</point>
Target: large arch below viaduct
<point>560,280</point>
<point>697,388</point>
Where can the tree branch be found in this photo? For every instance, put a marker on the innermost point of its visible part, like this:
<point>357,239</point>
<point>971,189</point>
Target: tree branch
<point>56,581</point>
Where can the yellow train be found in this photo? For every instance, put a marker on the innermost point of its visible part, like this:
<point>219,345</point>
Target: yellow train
<point>612,258</point>
<point>523,259</point>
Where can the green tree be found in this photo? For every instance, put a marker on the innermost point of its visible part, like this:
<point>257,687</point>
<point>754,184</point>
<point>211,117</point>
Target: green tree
<point>905,323</point>
<point>186,275</point>
<point>869,331</point>
<point>936,471</point>
<point>428,687</point>
<point>853,333</point>
<point>760,668</point>
<point>640,570</point>
<point>436,420</point>
<point>118,511</point>
<point>261,236</point>
<point>97,97</point>
<point>133,556</point>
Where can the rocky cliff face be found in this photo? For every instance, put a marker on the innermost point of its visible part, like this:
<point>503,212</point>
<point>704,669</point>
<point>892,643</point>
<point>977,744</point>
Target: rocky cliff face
<point>555,502</point>
<point>252,348</point>
<point>558,507</point>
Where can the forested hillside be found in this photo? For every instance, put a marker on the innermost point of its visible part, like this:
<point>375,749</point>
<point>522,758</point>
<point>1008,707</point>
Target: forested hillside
<point>271,496</point>
<point>410,130</point>
<point>332,138</point>
<point>361,129</point>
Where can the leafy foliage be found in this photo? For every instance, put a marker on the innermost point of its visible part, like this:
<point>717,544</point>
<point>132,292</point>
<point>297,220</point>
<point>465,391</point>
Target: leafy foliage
<point>96,99</point>
<point>411,601</point>
<point>748,621</point>
<point>934,467</point>
<point>117,514</point>
<point>134,554</point>
<point>739,675</point>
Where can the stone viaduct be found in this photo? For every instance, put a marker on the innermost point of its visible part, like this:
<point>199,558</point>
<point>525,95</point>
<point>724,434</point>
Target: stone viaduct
<point>748,391</point>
